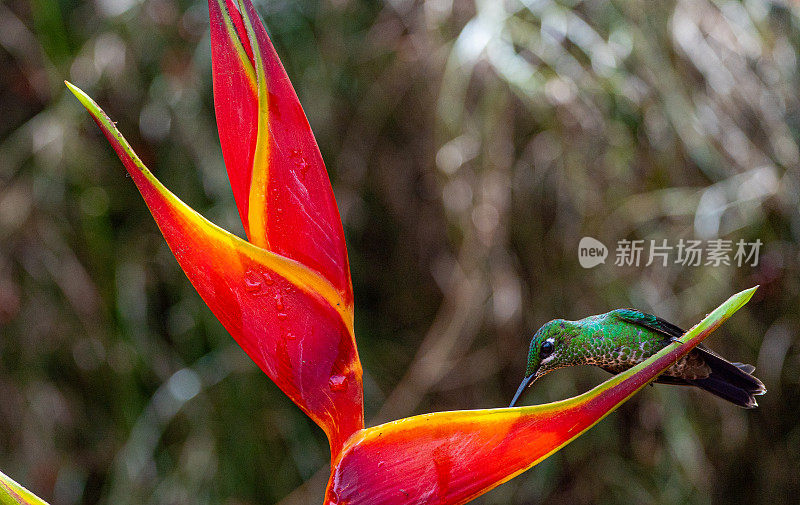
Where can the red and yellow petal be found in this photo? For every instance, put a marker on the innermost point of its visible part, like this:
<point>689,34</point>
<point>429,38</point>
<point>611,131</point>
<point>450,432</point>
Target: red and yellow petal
<point>279,180</point>
<point>452,457</point>
<point>293,322</point>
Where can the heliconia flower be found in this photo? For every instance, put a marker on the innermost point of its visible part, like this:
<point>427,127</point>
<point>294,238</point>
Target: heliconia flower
<point>285,295</point>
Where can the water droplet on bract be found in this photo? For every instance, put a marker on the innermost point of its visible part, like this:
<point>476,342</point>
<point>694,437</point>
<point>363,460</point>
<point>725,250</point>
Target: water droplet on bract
<point>279,306</point>
<point>290,335</point>
<point>268,280</point>
<point>252,281</point>
<point>338,383</point>
<point>282,316</point>
<point>300,162</point>
<point>303,166</point>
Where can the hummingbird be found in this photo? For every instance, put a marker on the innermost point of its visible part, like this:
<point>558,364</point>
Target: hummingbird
<point>617,340</point>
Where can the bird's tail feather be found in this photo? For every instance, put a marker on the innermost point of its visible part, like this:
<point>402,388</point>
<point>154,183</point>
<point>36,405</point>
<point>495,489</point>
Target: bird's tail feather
<point>731,381</point>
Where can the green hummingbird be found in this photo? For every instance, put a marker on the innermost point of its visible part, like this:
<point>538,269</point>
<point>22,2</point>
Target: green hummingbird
<point>617,340</point>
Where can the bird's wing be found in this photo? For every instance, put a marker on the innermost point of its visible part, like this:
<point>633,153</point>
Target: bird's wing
<point>650,322</point>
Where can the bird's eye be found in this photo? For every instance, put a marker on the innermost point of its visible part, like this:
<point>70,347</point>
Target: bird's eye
<point>547,349</point>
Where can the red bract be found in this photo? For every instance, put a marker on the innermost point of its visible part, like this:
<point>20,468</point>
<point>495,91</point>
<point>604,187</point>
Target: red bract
<point>274,165</point>
<point>286,296</point>
<point>452,457</point>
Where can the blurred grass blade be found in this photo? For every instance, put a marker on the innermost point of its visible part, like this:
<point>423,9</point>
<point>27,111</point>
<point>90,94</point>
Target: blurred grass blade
<point>448,458</point>
<point>12,493</point>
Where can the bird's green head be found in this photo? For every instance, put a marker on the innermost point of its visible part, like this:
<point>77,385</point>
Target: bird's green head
<point>549,350</point>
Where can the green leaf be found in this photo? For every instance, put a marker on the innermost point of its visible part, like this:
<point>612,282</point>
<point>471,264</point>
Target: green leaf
<point>12,493</point>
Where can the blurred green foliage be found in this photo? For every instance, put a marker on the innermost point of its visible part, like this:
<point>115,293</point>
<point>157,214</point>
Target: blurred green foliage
<point>471,144</point>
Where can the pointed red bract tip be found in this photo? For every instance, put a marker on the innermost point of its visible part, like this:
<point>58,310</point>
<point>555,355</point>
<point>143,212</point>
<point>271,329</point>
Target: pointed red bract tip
<point>278,177</point>
<point>289,319</point>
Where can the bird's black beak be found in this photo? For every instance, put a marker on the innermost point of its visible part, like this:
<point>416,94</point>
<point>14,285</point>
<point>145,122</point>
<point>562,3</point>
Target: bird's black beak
<point>525,383</point>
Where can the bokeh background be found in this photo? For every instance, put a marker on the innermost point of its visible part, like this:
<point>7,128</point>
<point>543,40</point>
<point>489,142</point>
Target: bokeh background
<point>471,144</point>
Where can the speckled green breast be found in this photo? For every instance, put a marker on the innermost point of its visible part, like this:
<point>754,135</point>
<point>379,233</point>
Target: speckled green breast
<point>615,346</point>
